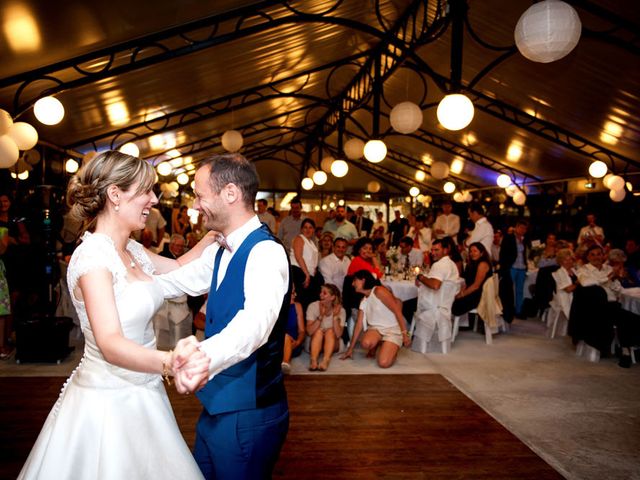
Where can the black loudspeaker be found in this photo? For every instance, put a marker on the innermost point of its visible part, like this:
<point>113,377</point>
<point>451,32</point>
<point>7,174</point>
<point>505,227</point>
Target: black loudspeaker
<point>43,339</point>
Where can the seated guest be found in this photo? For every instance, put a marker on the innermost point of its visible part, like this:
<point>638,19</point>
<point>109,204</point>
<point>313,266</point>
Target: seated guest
<point>325,244</point>
<point>548,256</point>
<point>618,260</point>
<point>325,322</point>
<point>566,282</point>
<point>632,249</point>
<point>410,256</point>
<point>334,266</point>
<point>364,258</point>
<point>304,263</point>
<point>380,317</point>
<point>477,272</point>
<point>294,334</point>
<point>380,249</point>
<point>175,247</point>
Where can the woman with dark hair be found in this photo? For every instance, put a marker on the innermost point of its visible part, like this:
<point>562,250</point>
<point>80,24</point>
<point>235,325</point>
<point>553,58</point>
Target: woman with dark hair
<point>364,258</point>
<point>477,272</point>
<point>380,250</point>
<point>454,253</point>
<point>304,263</point>
<point>181,224</point>
<point>380,316</point>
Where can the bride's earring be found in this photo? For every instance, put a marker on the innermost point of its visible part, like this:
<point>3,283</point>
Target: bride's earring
<point>117,208</point>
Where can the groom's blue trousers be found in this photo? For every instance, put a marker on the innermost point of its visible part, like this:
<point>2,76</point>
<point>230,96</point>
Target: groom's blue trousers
<point>241,445</point>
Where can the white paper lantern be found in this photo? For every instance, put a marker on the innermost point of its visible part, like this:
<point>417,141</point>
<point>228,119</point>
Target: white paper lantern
<point>455,111</point>
<point>130,149</point>
<point>617,195</point>
<point>49,110</point>
<point>373,186</point>
<point>414,191</point>
<point>519,198</point>
<point>325,163</point>
<point>616,182</point>
<point>420,175</point>
<point>5,122</point>
<point>354,148</point>
<point>375,151</point>
<point>307,183</point>
<point>606,179</point>
<point>449,187</point>
<point>458,197</point>
<point>467,197</point>
<point>164,168</point>
<point>406,117</point>
<point>232,140</point>
<point>175,186</point>
<point>598,169</point>
<point>310,172</point>
<point>503,180</point>
<point>165,188</point>
<point>547,31</point>
<point>339,168</point>
<point>439,170</point>
<point>24,135</point>
<point>320,177</point>
<point>9,152</point>
<point>182,178</point>
<point>511,190</point>
<point>71,166</point>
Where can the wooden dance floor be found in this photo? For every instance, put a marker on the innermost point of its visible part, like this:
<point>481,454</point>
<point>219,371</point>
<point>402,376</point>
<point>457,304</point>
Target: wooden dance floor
<point>342,427</point>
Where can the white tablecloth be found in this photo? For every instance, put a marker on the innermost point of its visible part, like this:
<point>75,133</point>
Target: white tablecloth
<point>532,276</point>
<point>402,289</point>
<point>630,299</point>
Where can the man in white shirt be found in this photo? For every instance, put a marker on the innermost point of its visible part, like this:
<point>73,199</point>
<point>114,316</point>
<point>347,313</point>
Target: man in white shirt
<point>265,216</point>
<point>290,225</point>
<point>442,269</point>
<point>341,227</point>
<point>334,266</point>
<point>482,231</point>
<point>591,233</point>
<point>409,256</point>
<point>245,324</point>
<point>447,224</point>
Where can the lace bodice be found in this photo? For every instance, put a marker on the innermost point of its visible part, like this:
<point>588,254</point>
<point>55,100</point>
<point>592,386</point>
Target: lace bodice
<point>136,301</point>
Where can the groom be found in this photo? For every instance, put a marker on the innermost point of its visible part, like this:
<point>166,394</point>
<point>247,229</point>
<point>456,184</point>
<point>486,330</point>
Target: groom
<point>246,416</point>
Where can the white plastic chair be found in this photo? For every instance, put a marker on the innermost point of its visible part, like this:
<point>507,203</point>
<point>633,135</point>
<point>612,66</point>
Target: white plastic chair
<point>433,316</point>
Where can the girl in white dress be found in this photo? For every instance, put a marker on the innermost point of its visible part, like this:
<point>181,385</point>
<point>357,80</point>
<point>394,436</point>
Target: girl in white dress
<point>113,419</point>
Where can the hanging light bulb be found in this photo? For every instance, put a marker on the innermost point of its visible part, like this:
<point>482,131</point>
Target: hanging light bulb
<point>49,110</point>
<point>598,169</point>
<point>71,166</point>
<point>414,191</point>
<point>503,180</point>
<point>455,111</point>
<point>164,168</point>
<point>320,177</point>
<point>307,183</point>
<point>339,168</point>
<point>449,187</point>
<point>375,151</point>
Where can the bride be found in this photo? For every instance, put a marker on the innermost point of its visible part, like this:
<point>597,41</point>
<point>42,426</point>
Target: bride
<point>113,419</point>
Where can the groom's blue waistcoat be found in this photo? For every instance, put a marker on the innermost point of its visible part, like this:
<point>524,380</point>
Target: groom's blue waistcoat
<point>256,381</point>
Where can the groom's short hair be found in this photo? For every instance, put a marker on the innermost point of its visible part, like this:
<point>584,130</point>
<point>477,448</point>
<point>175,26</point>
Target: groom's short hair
<point>233,168</point>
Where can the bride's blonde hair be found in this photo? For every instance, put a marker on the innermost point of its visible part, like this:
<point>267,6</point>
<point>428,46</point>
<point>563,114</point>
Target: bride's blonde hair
<point>87,190</point>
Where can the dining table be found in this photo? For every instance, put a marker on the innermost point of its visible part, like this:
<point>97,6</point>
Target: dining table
<point>630,299</point>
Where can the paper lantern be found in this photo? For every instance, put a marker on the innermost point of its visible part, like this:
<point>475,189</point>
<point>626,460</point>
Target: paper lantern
<point>325,163</point>
<point>373,186</point>
<point>547,31</point>
<point>449,187</point>
<point>616,182</point>
<point>71,166</point>
<point>320,177</point>
<point>165,188</point>
<point>5,122</point>
<point>339,168</point>
<point>375,151</point>
<point>49,110</point>
<point>414,191</point>
<point>420,175</point>
<point>406,117</point>
<point>455,111</point>
<point>164,168</point>
<point>458,197</point>
<point>175,186</point>
<point>9,152</point>
<point>24,135</point>
<point>183,178</point>
<point>617,195</point>
<point>503,180</point>
<point>439,170</point>
<point>307,183</point>
<point>130,149</point>
<point>467,197</point>
<point>598,169</point>
<point>519,198</point>
<point>232,140</point>
<point>310,172</point>
<point>354,148</point>
<point>511,190</point>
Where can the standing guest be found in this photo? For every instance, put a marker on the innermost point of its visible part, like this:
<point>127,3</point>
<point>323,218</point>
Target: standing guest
<point>409,255</point>
<point>364,258</point>
<point>265,216</point>
<point>341,227</point>
<point>495,246</point>
<point>294,335</point>
<point>513,271</point>
<point>334,266</point>
<point>325,322</point>
<point>363,224</point>
<point>5,299</point>
<point>331,215</point>
<point>482,231</point>
<point>325,244</point>
<point>421,234</point>
<point>398,228</point>
<point>548,256</point>
<point>247,276</point>
<point>304,263</point>
<point>290,225</point>
<point>379,224</point>
<point>476,273</point>
<point>591,233</point>
<point>447,224</point>
<point>380,317</point>
<point>181,224</point>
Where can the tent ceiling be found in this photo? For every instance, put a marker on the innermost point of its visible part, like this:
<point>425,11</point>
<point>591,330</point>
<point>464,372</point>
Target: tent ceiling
<point>281,71</point>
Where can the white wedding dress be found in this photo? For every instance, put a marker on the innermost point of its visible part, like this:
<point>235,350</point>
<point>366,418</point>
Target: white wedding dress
<point>110,422</point>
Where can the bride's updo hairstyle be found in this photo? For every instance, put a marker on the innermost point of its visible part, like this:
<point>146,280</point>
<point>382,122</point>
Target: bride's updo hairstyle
<point>87,190</point>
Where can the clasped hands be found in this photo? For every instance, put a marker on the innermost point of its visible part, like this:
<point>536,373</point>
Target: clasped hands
<point>190,366</point>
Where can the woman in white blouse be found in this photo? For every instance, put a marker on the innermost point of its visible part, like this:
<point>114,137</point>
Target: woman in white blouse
<point>304,263</point>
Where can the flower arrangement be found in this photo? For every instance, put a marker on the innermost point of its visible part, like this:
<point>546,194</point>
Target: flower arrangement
<point>393,256</point>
